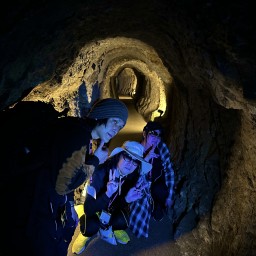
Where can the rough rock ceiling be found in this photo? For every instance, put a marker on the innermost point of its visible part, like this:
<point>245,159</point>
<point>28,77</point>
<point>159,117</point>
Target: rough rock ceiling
<point>96,69</point>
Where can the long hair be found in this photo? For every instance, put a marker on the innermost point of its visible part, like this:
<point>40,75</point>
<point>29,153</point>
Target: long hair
<point>112,162</point>
<point>95,122</point>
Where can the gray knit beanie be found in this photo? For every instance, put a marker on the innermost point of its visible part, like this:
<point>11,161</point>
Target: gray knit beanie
<point>108,108</point>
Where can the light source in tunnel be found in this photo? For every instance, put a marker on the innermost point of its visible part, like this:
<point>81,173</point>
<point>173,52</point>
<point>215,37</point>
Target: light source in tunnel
<point>156,114</point>
<point>160,112</point>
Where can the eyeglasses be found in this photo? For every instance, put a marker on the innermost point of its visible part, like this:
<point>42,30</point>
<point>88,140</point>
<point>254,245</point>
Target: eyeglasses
<point>127,158</point>
<point>155,134</point>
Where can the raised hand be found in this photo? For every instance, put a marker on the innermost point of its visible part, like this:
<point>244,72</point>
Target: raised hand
<point>142,183</point>
<point>112,185</point>
<point>133,195</point>
<point>101,152</point>
<point>151,154</point>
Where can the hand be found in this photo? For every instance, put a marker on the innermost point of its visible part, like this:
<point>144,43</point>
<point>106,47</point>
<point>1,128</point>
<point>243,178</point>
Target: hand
<point>101,152</point>
<point>112,185</point>
<point>133,195</point>
<point>142,183</point>
<point>151,154</point>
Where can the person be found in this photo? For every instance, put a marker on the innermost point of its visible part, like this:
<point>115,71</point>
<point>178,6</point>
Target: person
<point>116,185</point>
<point>67,162</point>
<point>160,181</point>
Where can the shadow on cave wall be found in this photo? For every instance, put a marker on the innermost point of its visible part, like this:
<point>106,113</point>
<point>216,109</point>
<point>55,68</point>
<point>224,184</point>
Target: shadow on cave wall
<point>210,132</point>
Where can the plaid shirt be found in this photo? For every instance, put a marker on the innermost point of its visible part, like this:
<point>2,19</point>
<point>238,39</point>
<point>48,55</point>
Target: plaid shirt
<point>168,170</point>
<point>142,208</point>
<point>140,213</point>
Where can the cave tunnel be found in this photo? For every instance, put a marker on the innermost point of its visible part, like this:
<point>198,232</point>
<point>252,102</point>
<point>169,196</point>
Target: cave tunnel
<point>190,66</point>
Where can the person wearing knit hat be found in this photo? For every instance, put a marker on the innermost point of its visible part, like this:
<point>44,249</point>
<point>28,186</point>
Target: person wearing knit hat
<point>107,108</point>
<point>67,162</point>
<point>110,116</point>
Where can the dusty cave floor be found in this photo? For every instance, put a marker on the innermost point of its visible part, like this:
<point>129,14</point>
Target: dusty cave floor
<point>160,242</point>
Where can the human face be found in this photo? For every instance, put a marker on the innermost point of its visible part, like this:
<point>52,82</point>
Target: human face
<point>153,138</point>
<point>127,164</point>
<point>107,131</point>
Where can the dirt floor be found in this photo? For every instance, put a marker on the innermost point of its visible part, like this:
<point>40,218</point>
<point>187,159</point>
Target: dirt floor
<point>159,242</point>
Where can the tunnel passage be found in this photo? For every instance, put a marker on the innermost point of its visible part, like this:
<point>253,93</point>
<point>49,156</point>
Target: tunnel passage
<point>123,66</point>
<point>101,67</point>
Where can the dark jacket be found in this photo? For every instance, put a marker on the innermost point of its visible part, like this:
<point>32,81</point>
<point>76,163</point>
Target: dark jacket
<point>100,179</point>
<point>66,165</point>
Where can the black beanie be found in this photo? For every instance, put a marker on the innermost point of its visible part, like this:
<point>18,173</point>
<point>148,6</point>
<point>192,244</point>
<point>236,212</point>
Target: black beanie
<point>152,126</point>
<point>108,108</point>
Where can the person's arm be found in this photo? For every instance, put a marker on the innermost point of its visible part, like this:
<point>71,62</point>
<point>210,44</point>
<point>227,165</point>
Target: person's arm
<point>91,163</point>
<point>69,152</point>
<point>130,191</point>
<point>91,204</point>
<point>70,210</point>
